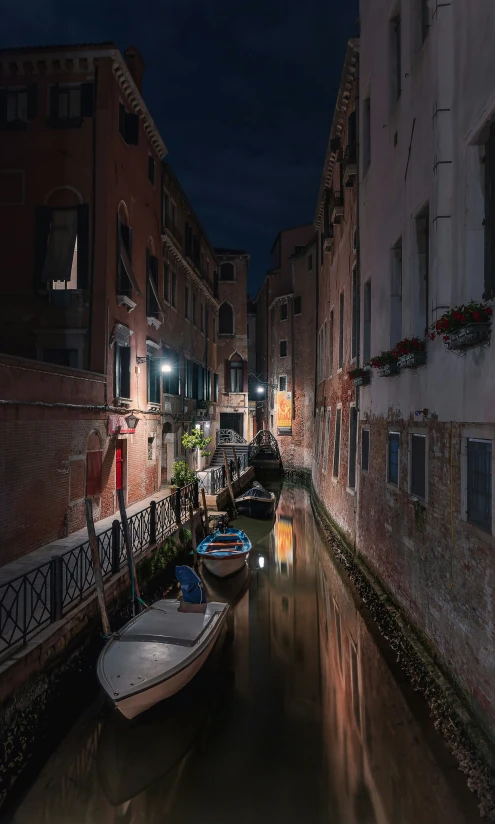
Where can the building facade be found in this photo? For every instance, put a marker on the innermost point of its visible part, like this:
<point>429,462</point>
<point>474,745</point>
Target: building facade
<point>426,521</point>
<point>336,421</point>
<point>87,314</point>
<point>232,342</point>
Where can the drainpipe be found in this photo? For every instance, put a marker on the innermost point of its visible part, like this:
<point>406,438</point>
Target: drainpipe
<point>92,279</point>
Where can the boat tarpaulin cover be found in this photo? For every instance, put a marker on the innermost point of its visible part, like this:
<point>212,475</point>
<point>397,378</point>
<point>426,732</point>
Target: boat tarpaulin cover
<point>257,492</point>
<point>191,585</point>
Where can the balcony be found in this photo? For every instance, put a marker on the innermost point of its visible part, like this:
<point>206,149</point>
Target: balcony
<point>350,165</point>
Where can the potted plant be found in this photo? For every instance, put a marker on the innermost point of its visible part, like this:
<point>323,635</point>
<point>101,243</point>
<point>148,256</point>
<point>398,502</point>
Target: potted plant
<point>386,363</point>
<point>361,377</point>
<point>411,353</point>
<point>196,440</point>
<point>182,475</point>
<point>464,326</point>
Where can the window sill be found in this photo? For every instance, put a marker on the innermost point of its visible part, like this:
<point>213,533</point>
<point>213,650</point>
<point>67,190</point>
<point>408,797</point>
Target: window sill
<point>392,487</point>
<point>351,490</point>
<point>123,401</point>
<point>154,322</point>
<point>339,370</point>
<point>129,304</point>
<point>415,500</point>
<point>481,534</point>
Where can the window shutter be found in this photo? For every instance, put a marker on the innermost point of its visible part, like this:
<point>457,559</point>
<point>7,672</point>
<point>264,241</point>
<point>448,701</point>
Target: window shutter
<point>93,473</point>
<point>132,128</point>
<point>3,106</point>
<point>87,101</point>
<point>54,101</point>
<point>82,246</point>
<point>32,101</point>
<point>244,376</point>
<point>226,382</point>
<point>43,215</point>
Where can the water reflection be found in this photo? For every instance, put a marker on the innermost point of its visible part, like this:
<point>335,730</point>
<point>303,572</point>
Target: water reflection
<point>296,717</point>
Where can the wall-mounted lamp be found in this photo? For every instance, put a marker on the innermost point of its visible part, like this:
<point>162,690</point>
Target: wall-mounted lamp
<point>131,421</point>
<point>166,367</point>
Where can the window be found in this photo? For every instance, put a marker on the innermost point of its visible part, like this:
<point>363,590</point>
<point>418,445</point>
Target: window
<point>479,483</point>
<point>297,305</point>
<point>171,380</point>
<point>330,345</point>
<point>194,308</point>
<point>396,293</point>
<point>355,314</point>
<point>188,372</point>
<point>173,296</point>
<point>70,104</point>
<point>393,458</point>
<point>61,357</point>
<point>327,439</point>
<point>282,383</point>
<point>122,371</point>
<point>395,58</point>
<point>125,277</point>
<point>283,310</point>
<point>227,271</point>
<point>17,107</point>
<point>152,307</point>
<point>128,126</point>
<point>341,330</point>
<point>283,348</point>
<point>202,317</point>
<point>422,226</point>
<point>490,215</point>
<point>186,302</point>
<point>225,319</point>
<point>418,466</point>
<point>151,170</point>
<point>188,239</point>
<point>236,375</point>
<point>166,282</point>
<point>352,446</point>
<point>365,450</point>
<point>154,378</point>
<point>310,263</point>
<point>322,247</point>
<point>215,387</point>
<point>151,448</point>
<point>62,247</point>
<point>336,448</point>
<point>367,322</point>
<point>366,135</point>
<point>194,380</point>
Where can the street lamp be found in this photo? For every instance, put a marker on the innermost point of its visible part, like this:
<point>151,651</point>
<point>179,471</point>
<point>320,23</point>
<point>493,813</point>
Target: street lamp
<point>166,367</point>
<point>260,389</point>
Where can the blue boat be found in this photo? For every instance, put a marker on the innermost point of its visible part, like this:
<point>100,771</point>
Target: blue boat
<point>225,551</point>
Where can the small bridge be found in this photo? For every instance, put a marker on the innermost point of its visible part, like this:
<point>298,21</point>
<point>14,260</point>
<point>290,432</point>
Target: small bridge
<point>263,451</point>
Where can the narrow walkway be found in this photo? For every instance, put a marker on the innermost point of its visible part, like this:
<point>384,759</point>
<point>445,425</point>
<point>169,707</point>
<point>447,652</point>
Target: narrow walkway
<point>45,553</point>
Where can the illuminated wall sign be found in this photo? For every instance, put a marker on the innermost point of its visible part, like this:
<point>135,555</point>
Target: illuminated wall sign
<point>117,424</point>
<point>284,413</point>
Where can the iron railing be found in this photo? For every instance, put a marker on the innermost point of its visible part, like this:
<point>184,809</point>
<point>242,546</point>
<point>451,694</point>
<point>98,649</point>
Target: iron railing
<point>263,442</point>
<point>213,480</point>
<point>229,436</point>
<point>43,595</point>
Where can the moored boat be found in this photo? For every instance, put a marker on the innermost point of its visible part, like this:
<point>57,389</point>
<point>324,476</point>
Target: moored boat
<point>256,502</point>
<point>224,552</point>
<point>158,652</point>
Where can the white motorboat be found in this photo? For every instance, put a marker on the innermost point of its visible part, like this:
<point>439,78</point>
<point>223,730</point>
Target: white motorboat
<point>158,652</point>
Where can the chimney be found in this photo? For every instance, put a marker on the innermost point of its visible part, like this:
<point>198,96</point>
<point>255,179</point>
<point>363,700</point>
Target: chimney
<point>135,64</point>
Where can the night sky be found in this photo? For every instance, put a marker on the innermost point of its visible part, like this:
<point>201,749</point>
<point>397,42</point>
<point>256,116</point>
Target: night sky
<point>242,92</point>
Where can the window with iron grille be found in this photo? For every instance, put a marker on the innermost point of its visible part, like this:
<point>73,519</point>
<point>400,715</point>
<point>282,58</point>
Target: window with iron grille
<point>367,322</point>
<point>393,458</point>
<point>297,305</point>
<point>341,331</point>
<point>352,446</point>
<point>479,483</point>
<point>418,466</point>
<point>283,348</point>
<point>365,450</point>
<point>336,448</point>
<point>283,311</point>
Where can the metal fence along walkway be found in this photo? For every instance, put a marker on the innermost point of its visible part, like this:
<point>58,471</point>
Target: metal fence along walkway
<point>46,593</point>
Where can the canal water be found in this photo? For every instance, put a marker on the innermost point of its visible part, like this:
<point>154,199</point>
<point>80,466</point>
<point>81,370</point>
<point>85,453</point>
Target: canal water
<point>300,715</point>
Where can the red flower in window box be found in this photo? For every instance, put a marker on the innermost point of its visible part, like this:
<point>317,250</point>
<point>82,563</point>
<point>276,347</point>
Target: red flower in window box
<point>460,316</point>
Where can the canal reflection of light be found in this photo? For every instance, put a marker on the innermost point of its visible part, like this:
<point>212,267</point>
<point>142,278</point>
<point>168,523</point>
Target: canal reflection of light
<point>284,543</point>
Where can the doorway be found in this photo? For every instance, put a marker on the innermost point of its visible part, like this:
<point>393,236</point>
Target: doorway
<point>232,420</point>
<point>119,464</point>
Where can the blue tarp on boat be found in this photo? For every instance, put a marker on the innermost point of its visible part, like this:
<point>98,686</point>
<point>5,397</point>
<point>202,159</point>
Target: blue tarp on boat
<point>191,585</point>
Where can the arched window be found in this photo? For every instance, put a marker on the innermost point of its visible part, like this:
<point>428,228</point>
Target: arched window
<point>225,319</point>
<point>94,456</point>
<point>235,374</point>
<point>62,241</point>
<point>227,271</point>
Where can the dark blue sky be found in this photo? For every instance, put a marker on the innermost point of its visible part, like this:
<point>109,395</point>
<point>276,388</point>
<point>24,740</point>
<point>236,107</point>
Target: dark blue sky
<point>242,92</point>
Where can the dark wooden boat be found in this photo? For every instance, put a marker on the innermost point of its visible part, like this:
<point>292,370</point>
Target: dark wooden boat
<point>256,503</point>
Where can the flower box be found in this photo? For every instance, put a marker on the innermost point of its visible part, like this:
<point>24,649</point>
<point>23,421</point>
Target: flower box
<point>388,370</point>
<point>412,360</point>
<point>362,380</point>
<point>474,334</point>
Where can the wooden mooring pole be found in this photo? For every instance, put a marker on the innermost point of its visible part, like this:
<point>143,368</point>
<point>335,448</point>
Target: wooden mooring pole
<point>229,479</point>
<point>128,547</point>
<point>95,555</point>
<point>193,535</point>
<point>205,511</point>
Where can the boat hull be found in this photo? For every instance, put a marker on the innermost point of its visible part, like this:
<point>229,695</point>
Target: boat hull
<point>138,703</point>
<point>224,567</point>
<point>255,507</point>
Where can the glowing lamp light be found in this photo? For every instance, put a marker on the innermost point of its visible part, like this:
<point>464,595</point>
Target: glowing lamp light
<point>166,367</point>
<point>260,390</point>
<point>261,562</point>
